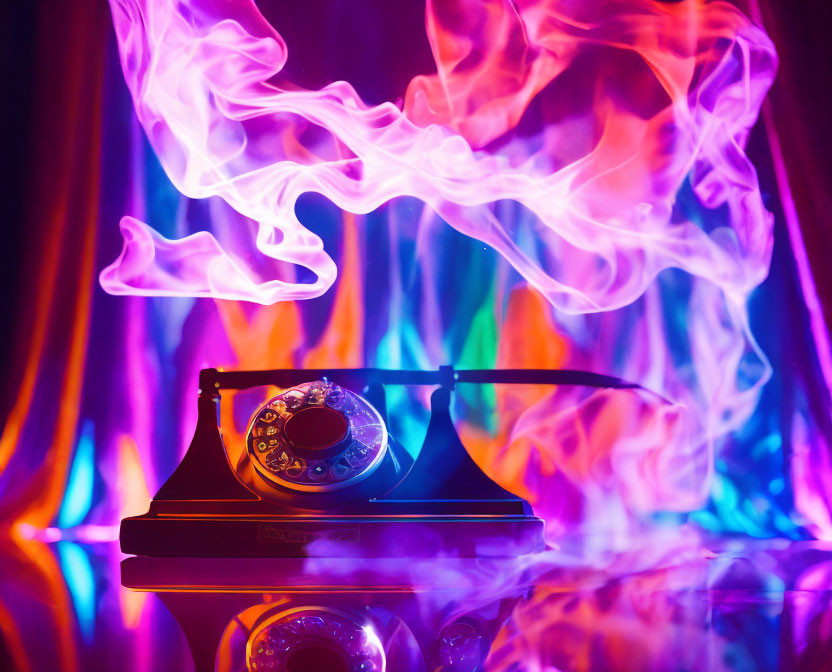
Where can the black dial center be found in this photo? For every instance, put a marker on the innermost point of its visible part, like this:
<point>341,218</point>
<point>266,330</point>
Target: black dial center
<point>317,659</point>
<point>316,428</point>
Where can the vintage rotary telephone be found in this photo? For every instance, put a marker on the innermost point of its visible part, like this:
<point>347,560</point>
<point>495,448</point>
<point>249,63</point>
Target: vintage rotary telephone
<point>327,479</point>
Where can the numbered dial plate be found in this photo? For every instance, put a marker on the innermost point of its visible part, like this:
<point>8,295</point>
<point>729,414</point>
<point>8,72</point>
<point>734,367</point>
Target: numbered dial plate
<point>314,638</point>
<point>316,437</point>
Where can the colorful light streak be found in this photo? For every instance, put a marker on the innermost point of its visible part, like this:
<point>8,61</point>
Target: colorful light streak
<point>78,495</point>
<point>81,582</point>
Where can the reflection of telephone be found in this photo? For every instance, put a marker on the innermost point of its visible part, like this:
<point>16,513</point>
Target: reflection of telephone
<point>313,638</point>
<point>334,614</point>
<point>330,480</point>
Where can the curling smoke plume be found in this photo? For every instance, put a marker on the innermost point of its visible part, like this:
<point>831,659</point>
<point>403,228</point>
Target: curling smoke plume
<point>588,117</point>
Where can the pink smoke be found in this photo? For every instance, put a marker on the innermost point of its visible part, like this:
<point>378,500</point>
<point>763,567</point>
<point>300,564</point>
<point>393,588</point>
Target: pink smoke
<point>675,88</point>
